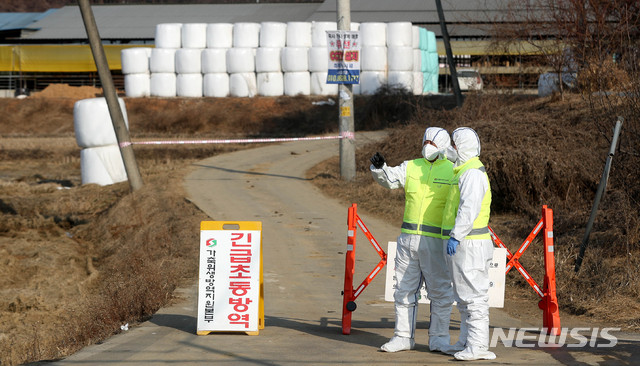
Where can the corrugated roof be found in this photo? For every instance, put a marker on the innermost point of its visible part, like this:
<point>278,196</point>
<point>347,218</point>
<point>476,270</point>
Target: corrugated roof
<point>139,21</point>
<point>465,18</point>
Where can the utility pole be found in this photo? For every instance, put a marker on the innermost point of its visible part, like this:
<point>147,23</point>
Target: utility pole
<point>117,117</point>
<point>345,106</point>
<point>450,61</point>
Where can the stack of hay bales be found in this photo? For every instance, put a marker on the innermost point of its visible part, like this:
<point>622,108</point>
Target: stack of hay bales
<point>276,58</point>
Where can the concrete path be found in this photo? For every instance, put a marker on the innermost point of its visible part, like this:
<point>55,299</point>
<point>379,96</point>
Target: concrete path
<point>304,242</point>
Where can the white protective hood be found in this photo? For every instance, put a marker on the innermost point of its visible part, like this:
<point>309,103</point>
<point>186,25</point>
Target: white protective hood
<point>467,142</point>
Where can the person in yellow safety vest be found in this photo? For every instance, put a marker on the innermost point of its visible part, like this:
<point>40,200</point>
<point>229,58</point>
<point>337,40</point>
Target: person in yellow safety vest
<point>420,256</point>
<point>468,244</point>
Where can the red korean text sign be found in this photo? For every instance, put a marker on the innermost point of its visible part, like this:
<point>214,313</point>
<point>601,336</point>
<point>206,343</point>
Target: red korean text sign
<point>230,284</point>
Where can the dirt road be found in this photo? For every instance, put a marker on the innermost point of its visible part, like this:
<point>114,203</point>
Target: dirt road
<point>304,240</point>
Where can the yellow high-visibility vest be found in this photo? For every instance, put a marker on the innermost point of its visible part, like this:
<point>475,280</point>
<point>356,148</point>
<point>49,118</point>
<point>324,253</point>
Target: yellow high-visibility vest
<point>481,223</point>
<point>426,187</point>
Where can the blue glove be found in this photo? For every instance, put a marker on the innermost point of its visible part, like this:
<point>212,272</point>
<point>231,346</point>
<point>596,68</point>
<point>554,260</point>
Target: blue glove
<point>452,244</point>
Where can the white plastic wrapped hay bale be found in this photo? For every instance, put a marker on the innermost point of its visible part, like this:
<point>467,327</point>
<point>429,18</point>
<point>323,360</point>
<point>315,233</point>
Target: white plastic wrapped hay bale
<point>273,34</point>
<point>163,84</point>
<point>415,30</point>
<point>137,85</point>
<point>399,34</point>
<point>401,80</point>
<point>318,59</point>
<point>297,83</point>
<point>102,165</point>
<point>400,58</point>
<point>162,60</point>
<point>295,59</point>
<point>319,84</point>
<point>246,35</point>
<point>189,85</point>
<point>373,34</point>
<point>371,81</point>
<point>417,60</point>
<point>216,85</point>
<point>268,59</point>
<point>214,60</point>
<point>299,34</point>
<point>240,60</point>
<point>373,58</point>
<point>219,35</point>
<point>135,60</point>
<point>418,80</point>
<point>92,122</point>
<point>242,84</point>
<point>270,84</point>
<point>319,32</point>
<point>168,35</point>
<point>194,35</point>
<point>189,60</point>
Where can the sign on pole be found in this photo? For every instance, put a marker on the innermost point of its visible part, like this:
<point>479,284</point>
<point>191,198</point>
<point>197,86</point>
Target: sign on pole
<point>230,282</point>
<point>344,57</point>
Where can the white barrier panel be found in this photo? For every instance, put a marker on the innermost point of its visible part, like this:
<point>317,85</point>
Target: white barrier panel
<point>401,79</point>
<point>137,85</point>
<point>163,84</point>
<point>216,85</point>
<point>318,59</point>
<point>189,85</point>
<point>246,35</point>
<point>214,60</point>
<point>270,84</point>
<point>298,34</point>
<point>243,84</point>
<point>188,60</point>
<point>162,60</point>
<point>417,82</point>
<point>268,59</point>
<point>371,81</point>
<point>496,277</point>
<point>373,34</point>
<point>296,83</point>
<point>319,32</point>
<point>273,34</point>
<point>102,165</point>
<point>135,60</point>
<point>319,84</point>
<point>400,58</point>
<point>219,35</point>
<point>92,122</point>
<point>399,34</point>
<point>194,35</point>
<point>295,59</point>
<point>168,35</point>
<point>374,58</point>
<point>240,60</point>
<point>355,26</point>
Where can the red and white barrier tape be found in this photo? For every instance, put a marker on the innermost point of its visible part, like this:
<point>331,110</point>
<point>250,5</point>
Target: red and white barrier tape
<point>344,135</point>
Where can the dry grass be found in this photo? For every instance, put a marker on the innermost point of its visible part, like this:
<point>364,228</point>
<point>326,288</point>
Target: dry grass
<point>78,263</point>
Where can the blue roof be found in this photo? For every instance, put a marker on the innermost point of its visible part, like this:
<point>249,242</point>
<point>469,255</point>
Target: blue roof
<point>16,21</point>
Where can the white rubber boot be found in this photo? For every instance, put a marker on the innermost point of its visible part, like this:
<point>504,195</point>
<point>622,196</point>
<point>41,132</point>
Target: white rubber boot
<point>397,344</point>
<point>474,353</point>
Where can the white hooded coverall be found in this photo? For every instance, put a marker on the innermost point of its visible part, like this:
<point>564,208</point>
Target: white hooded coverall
<point>420,257</point>
<point>470,264</point>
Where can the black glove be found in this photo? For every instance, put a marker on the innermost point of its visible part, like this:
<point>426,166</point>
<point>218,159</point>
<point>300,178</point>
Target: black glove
<point>377,160</point>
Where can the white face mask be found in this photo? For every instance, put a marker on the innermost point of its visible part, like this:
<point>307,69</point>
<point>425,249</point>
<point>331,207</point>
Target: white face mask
<point>430,152</point>
<point>451,154</point>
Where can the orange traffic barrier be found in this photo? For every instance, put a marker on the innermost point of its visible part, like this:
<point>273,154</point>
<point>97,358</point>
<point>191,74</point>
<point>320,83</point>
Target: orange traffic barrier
<point>349,295</point>
<point>549,301</point>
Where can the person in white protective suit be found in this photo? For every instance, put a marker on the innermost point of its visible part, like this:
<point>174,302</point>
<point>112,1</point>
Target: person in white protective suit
<point>420,255</point>
<point>468,244</point>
